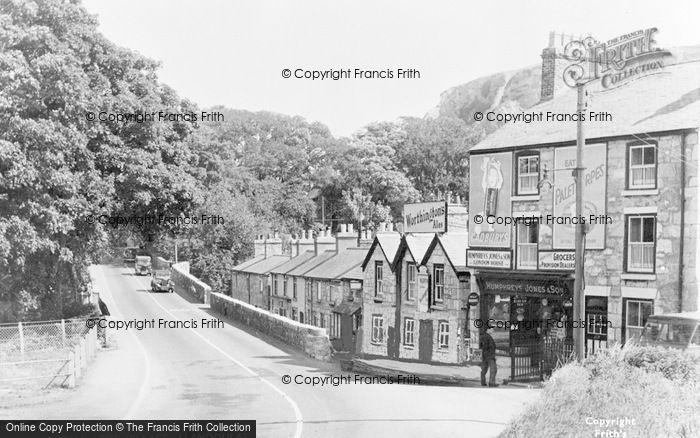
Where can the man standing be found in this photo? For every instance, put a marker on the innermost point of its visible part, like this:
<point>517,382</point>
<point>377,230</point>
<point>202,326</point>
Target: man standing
<point>488,356</point>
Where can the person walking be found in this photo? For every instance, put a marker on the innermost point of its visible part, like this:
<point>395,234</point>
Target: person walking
<point>488,357</point>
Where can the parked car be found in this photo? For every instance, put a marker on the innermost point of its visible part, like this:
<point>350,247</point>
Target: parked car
<point>161,281</point>
<point>673,330</point>
<point>142,266</point>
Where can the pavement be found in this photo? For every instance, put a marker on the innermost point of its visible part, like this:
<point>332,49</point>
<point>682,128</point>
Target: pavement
<point>228,372</point>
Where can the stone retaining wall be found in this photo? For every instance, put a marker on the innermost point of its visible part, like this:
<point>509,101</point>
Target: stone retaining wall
<point>312,340</point>
<point>183,281</point>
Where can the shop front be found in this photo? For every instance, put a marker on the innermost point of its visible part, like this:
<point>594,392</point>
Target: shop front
<point>531,315</point>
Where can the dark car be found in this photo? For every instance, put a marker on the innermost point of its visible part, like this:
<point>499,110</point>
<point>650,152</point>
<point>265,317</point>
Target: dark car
<point>161,282</point>
<point>130,256</point>
<point>674,330</point>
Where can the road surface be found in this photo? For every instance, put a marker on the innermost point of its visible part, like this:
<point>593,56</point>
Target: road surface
<point>229,373</point>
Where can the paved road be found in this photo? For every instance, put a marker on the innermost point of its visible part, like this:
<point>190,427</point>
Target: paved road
<point>228,373</point>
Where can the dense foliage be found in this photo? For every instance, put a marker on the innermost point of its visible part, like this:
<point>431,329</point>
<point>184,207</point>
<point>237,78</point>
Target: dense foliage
<point>261,172</point>
<point>654,390</point>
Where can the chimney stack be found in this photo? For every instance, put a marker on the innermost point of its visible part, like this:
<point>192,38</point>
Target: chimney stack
<point>553,65</point>
<point>365,239</point>
<point>294,247</point>
<point>305,242</point>
<point>273,245</point>
<point>259,246</point>
<point>323,242</point>
<point>346,238</point>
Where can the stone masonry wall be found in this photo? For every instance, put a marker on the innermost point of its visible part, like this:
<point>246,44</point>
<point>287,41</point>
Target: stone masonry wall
<point>311,340</point>
<point>185,282</point>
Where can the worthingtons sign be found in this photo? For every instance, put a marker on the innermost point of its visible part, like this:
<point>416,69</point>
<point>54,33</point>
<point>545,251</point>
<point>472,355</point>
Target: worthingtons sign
<point>425,217</point>
<point>614,61</point>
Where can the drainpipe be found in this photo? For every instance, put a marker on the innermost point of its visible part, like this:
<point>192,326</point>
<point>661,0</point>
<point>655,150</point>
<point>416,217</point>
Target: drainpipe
<point>681,246</point>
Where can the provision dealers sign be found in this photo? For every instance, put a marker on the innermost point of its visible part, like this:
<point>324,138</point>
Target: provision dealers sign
<point>594,195</point>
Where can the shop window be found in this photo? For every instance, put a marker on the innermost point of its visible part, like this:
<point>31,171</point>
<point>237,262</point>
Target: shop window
<point>641,243</point>
<point>439,283</point>
<point>411,281</point>
<point>378,278</point>
<point>528,174</point>
<point>641,170</point>
<point>443,334</point>
<point>527,237</point>
<point>335,326</point>
<point>636,314</point>
<point>409,328</point>
<point>377,329</point>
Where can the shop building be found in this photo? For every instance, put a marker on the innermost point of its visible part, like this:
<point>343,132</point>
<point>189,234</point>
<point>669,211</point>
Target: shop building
<point>640,202</point>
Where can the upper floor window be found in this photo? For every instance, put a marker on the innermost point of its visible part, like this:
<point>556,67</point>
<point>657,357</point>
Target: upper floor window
<point>284,286</point>
<point>411,281</point>
<point>318,291</point>
<point>528,174</point>
<point>641,242</point>
<point>294,288</point>
<point>439,282</point>
<point>274,284</point>
<point>641,172</point>
<point>527,237</point>
<point>378,278</point>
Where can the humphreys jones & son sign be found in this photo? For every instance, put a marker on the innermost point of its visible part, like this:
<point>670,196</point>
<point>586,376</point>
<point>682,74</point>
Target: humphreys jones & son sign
<point>614,61</point>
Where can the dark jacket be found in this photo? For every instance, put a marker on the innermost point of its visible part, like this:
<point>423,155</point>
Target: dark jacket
<point>488,347</point>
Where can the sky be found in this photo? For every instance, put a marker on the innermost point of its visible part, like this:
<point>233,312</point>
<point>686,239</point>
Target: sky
<point>233,52</point>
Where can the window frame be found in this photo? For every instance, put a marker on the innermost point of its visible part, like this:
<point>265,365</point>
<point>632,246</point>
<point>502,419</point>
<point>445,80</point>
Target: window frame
<point>518,244</point>
<point>378,280</point>
<point>294,288</point>
<point>443,334</point>
<point>378,337</point>
<point>516,181</point>
<point>628,165</point>
<point>625,314</point>
<point>438,267</point>
<point>411,285</point>
<point>409,335</point>
<point>334,326</point>
<point>628,248</point>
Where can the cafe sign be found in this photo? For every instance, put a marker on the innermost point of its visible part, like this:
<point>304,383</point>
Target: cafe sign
<point>488,259</point>
<point>556,260</point>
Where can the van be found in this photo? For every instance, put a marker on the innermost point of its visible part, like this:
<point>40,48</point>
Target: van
<point>673,330</point>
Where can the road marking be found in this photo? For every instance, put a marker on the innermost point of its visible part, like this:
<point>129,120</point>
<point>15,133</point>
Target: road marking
<point>295,407</point>
<point>147,362</point>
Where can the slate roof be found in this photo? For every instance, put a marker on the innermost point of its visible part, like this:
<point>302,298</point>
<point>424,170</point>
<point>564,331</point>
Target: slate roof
<point>242,266</point>
<point>311,263</point>
<point>265,265</point>
<point>292,263</point>
<point>340,265</point>
<point>455,247</point>
<point>389,244</point>
<point>664,101</point>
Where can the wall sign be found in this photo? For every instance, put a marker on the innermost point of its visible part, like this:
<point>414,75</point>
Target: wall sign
<point>594,196</point>
<point>425,217</point>
<point>489,195</point>
<point>512,286</point>
<point>477,258</point>
<point>473,299</point>
<point>556,260</point>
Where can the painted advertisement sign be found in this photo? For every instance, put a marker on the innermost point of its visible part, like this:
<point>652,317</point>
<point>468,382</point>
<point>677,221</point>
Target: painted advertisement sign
<point>556,260</point>
<point>489,195</point>
<point>488,259</point>
<point>594,195</point>
<point>425,217</point>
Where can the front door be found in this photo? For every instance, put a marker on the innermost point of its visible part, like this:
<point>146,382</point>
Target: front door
<point>425,340</point>
<point>347,338</point>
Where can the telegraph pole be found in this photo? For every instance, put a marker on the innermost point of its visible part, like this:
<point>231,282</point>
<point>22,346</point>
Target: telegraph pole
<point>579,242</point>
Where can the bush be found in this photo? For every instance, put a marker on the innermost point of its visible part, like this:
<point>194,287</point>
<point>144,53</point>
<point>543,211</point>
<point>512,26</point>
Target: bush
<point>655,390</point>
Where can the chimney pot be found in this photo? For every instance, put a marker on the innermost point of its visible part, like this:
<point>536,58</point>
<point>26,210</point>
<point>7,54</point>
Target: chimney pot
<point>350,228</point>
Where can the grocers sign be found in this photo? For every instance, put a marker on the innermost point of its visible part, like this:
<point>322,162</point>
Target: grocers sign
<point>425,217</point>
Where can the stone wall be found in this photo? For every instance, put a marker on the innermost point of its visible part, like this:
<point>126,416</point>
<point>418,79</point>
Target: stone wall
<point>383,306</point>
<point>183,281</point>
<point>312,340</point>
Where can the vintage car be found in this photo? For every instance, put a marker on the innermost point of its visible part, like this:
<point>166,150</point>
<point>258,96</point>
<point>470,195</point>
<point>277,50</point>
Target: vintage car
<point>142,265</point>
<point>673,330</point>
<point>161,281</point>
<point>130,256</point>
